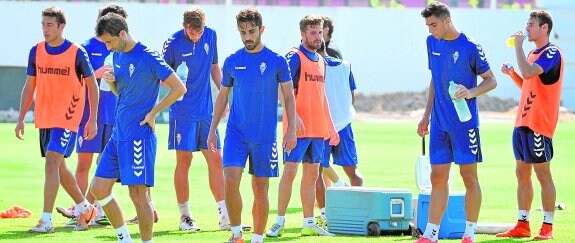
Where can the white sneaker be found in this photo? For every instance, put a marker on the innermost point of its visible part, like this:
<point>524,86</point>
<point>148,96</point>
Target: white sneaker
<point>187,223</point>
<point>314,230</point>
<point>340,184</point>
<point>277,230</point>
<point>42,228</point>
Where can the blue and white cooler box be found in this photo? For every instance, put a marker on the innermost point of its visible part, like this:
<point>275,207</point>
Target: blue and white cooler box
<point>368,211</point>
<point>453,222</point>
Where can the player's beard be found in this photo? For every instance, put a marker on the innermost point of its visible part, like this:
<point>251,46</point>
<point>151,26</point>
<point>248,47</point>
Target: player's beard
<point>251,45</point>
<point>311,44</point>
<point>121,46</point>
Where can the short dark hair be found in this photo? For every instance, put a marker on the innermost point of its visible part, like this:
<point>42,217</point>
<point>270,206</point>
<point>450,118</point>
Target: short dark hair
<point>308,20</point>
<point>195,18</point>
<point>328,23</point>
<point>249,15</point>
<point>113,8</point>
<point>111,23</point>
<point>437,9</point>
<point>55,12</point>
<point>543,17</point>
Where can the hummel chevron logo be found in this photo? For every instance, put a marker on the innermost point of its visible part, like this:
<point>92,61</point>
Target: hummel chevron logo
<point>138,174</point>
<point>538,144</point>
<point>120,236</point>
<point>434,232</point>
<point>72,108</point>
<point>65,138</point>
<point>528,104</point>
<point>524,217</point>
<point>551,53</point>
<point>273,166</point>
<point>138,152</point>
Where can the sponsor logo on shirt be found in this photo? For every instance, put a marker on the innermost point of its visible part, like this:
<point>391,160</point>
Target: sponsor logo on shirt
<point>313,77</point>
<point>263,67</point>
<point>436,53</point>
<point>240,68</point>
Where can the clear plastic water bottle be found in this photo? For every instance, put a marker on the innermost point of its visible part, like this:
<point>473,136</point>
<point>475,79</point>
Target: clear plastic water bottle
<point>108,61</point>
<point>182,72</point>
<point>460,104</point>
<point>511,40</point>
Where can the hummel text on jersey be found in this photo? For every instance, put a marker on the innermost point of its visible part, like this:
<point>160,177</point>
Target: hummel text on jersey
<point>313,77</point>
<point>53,70</point>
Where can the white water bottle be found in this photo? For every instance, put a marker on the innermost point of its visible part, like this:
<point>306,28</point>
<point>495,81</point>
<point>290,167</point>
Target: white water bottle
<point>108,61</point>
<point>460,104</point>
<point>182,72</point>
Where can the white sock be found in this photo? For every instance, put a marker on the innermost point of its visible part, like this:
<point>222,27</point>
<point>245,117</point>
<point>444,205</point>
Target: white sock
<point>339,183</point>
<point>99,209</point>
<point>470,229</point>
<point>152,205</point>
<point>223,210</point>
<point>523,215</point>
<point>76,211</point>
<point>257,238</point>
<point>548,217</point>
<point>281,220</point>
<point>147,241</point>
<point>237,231</point>
<point>322,213</point>
<point>184,209</point>
<point>122,233</point>
<point>431,232</point>
<point>308,222</point>
<point>46,217</point>
<point>82,207</point>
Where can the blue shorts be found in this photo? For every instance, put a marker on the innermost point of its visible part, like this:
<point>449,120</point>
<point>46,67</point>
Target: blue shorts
<point>263,158</point>
<point>190,136</point>
<point>461,146</point>
<point>57,140</point>
<point>96,144</point>
<point>308,150</point>
<point>343,154</point>
<point>132,162</point>
<point>530,146</point>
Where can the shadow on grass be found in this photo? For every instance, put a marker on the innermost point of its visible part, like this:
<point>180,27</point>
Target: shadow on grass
<point>288,211</point>
<point>18,235</point>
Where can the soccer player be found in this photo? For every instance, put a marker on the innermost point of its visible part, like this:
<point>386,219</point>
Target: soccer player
<point>57,75</point>
<point>196,47</point>
<point>131,152</point>
<point>308,69</point>
<point>255,73</point>
<point>97,52</point>
<point>452,56</point>
<point>339,90</point>
<point>331,49</point>
<point>540,81</point>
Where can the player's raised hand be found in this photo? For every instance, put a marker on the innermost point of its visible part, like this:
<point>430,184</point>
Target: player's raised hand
<point>507,68</point>
<point>20,130</point>
<point>150,119</point>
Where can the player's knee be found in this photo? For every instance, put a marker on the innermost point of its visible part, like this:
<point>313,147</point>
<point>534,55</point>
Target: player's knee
<point>232,179</point>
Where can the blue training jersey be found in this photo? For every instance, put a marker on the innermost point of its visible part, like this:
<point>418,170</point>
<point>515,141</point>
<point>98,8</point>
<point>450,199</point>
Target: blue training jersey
<point>255,79</point>
<point>460,60</point>
<point>197,102</point>
<point>137,73</point>
<point>97,52</point>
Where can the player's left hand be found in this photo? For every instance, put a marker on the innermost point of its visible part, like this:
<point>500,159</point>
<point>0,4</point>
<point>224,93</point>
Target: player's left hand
<point>334,139</point>
<point>90,130</point>
<point>462,92</point>
<point>150,119</point>
<point>289,140</point>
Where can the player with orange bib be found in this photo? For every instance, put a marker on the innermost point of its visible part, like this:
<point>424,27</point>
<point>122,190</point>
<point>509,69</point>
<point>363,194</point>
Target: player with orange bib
<point>58,73</point>
<point>540,83</point>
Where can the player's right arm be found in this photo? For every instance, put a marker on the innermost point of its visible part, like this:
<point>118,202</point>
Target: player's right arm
<point>219,108</point>
<point>26,98</point>
<point>423,126</point>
